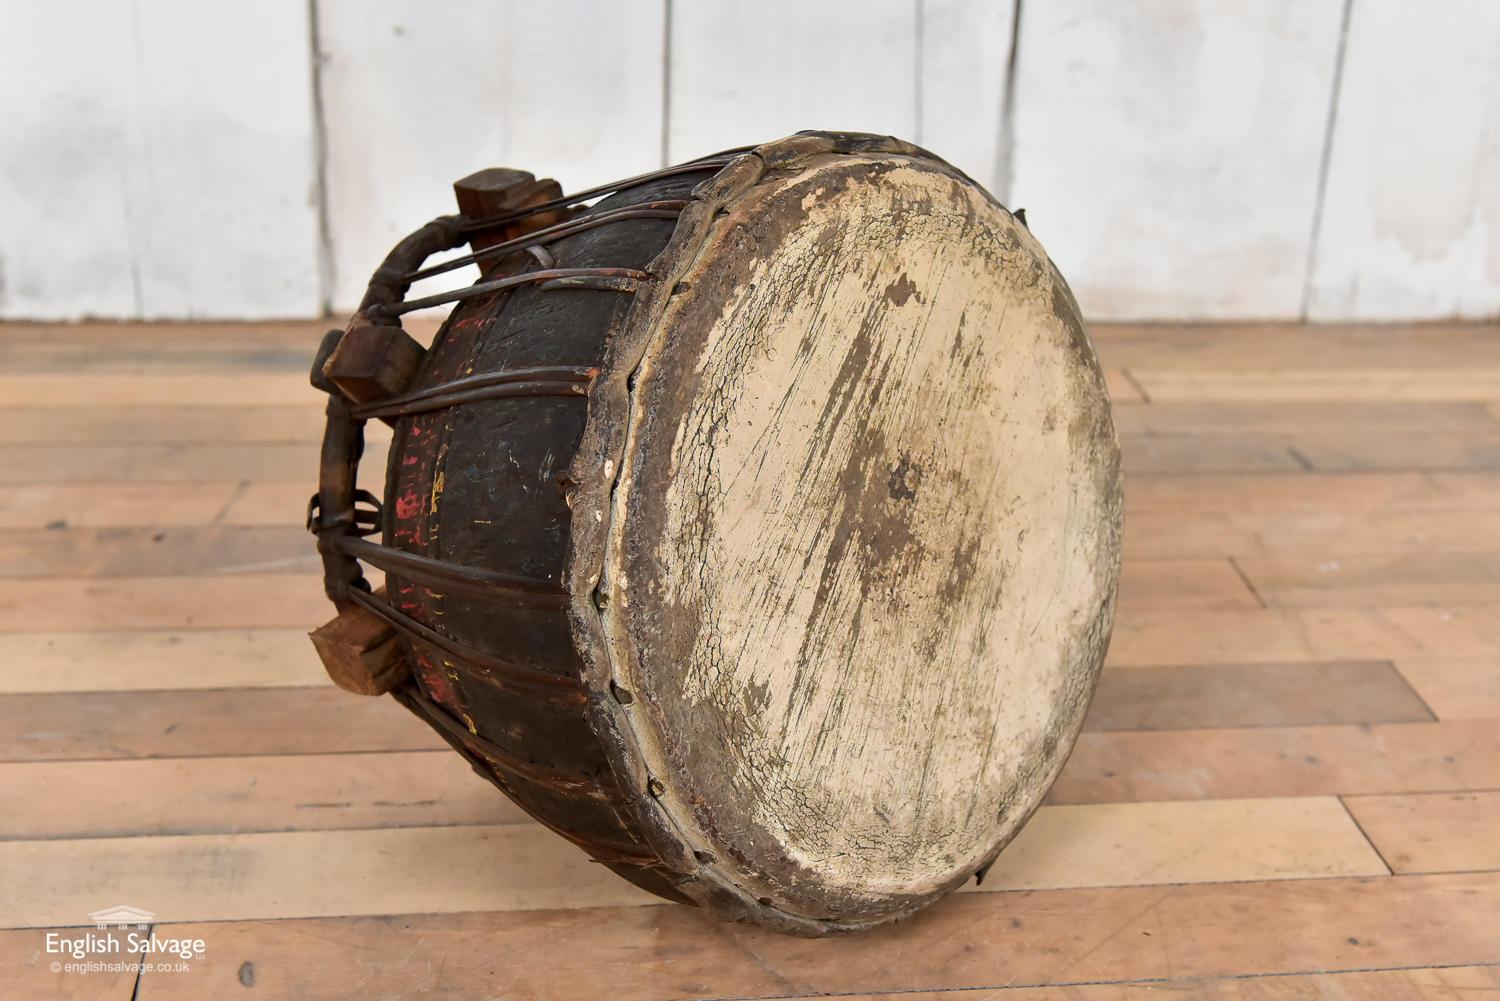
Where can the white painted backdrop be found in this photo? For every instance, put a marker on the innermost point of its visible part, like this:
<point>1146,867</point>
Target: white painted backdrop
<point>1181,159</point>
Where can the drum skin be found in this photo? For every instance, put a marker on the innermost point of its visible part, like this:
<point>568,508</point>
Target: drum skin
<point>824,562</point>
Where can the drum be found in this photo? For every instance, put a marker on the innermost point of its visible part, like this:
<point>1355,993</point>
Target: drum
<point>754,524</point>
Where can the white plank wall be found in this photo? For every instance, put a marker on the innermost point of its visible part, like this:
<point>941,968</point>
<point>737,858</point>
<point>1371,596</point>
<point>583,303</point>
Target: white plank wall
<point>747,72</point>
<point>1180,159</point>
<point>157,160</point>
<point>932,71</point>
<point>418,94</point>
<point>1411,218</point>
<point>65,144</point>
<point>1167,153</point>
<point>962,87</point>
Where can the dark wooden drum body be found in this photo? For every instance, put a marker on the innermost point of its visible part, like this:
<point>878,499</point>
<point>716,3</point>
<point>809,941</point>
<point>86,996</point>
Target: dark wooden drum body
<point>767,550</point>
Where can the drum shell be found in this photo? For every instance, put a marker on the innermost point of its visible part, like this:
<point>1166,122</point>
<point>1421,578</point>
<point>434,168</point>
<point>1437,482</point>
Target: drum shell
<point>505,506</point>
<point>518,485</point>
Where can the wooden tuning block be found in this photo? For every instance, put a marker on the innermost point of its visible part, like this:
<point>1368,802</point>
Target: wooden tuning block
<point>373,362</point>
<point>498,190</point>
<point>361,652</point>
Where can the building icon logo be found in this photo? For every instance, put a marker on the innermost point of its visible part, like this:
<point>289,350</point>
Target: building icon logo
<point>122,916</point>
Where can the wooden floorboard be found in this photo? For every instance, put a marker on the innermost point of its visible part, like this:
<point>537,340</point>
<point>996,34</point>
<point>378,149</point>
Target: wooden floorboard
<point>1412,984</point>
<point>1127,766</point>
<point>1347,451</point>
<point>1198,584</point>
<point>278,504</point>
<point>27,969</point>
<point>161,423</point>
<point>246,793</point>
<point>234,601</point>
<point>143,660</point>
<point>172,551</point>
<point>152,724</point>
<point>1237,695</point>
<point>157,463</point>
<point>523,866</point>
<point>1467,577</point>
<point>1166,535</point>
<point>1352,494</point>
<point>1260,384</point>
<point>1461,688</point>
<point>113,504</point>
<point>1153,636</point>
<point>1213,419</point>
<point>1288,784</point>
<point>152,388</point>
<point>1340,347</point>
<point>1433,832</point>
<point>973,942</point>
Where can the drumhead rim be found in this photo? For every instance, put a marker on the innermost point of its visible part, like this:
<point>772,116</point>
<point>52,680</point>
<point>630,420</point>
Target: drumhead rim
<point>597,468</point>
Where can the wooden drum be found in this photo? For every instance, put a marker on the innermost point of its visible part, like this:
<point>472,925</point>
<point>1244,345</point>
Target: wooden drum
<point>755,527</point>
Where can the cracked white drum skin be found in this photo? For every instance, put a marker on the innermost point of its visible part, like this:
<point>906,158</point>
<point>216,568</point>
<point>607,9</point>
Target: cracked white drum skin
<point>858,549</point>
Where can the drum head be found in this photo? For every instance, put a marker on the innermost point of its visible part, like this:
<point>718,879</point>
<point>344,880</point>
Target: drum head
<point>850,568</point>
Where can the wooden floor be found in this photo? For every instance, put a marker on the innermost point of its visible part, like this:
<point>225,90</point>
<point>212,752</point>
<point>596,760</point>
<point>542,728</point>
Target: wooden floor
<point>1289,785</point>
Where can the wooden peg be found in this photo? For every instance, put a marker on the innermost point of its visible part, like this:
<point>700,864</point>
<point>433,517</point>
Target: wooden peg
<point>497,190</point>
<point>361,652</point>
<point>373,362</point>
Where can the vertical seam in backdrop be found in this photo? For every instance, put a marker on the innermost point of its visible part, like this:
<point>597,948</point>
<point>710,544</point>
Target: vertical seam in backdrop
<point>1324,163</point>
<point>326,272</point>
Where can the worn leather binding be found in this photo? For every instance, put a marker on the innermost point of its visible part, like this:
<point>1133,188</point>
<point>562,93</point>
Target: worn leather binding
<point>499,626</point>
